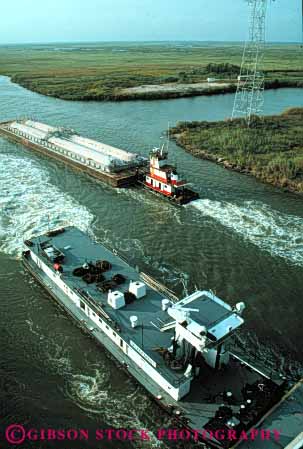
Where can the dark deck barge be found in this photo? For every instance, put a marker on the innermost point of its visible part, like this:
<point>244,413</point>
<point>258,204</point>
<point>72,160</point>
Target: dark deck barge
<point>206,406</point>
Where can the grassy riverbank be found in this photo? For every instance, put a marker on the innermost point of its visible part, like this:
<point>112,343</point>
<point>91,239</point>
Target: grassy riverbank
<point>271,149</point>
<point>110,71</point>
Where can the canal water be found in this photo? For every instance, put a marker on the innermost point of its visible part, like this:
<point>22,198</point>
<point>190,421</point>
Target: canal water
<point>243,240</point>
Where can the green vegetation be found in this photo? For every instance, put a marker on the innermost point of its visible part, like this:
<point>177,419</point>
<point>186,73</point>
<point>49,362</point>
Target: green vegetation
<point>101,71</point>
<point>271,149</point>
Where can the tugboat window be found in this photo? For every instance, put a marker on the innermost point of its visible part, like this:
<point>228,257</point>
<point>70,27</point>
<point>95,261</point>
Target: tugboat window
<point>82,305</point>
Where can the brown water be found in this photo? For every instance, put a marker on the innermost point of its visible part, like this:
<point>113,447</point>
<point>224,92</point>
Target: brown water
<point>243,240</point>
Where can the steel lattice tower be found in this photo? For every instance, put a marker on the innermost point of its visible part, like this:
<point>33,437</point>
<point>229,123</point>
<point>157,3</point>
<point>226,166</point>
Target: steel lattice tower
<point>249,98</point>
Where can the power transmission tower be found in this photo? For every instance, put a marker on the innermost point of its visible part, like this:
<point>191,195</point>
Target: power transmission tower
<point>249,98</point>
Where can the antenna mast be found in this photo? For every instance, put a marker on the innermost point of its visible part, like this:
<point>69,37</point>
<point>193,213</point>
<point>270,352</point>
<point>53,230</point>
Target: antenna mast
<point>168,135</point>
<point>249,98</point>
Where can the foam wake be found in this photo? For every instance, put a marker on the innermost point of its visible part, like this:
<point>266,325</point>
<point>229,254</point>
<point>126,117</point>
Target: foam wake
<point>30,204</point>
<point>278,233</point>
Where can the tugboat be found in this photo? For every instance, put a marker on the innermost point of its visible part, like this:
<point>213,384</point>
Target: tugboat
<point>163,179</point>
<point>180,350</point>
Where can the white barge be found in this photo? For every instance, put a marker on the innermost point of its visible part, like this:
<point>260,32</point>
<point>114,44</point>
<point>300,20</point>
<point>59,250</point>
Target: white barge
<point>112,165</point>
<point>180,351</point>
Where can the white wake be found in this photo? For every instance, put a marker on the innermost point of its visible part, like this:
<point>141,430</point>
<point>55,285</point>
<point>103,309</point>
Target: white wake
<point>278,233</point>
<point>30,204</point>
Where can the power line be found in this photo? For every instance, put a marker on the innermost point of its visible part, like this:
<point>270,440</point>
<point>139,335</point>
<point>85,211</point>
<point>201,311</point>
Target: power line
<point>249,98</point>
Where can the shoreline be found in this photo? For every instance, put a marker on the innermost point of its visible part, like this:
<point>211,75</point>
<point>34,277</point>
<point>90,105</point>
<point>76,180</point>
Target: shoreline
<point>228,165</point>
<point>152,92</point>
<point>141,71</point>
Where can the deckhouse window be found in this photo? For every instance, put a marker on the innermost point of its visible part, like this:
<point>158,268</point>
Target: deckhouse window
<point>82,305</point>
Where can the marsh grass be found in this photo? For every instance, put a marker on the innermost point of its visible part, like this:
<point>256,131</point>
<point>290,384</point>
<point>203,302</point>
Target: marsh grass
<point>271,148</point>
<point>100,71</point>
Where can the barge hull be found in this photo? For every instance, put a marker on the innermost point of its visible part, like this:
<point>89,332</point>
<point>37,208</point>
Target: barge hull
<point>125,178</point>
